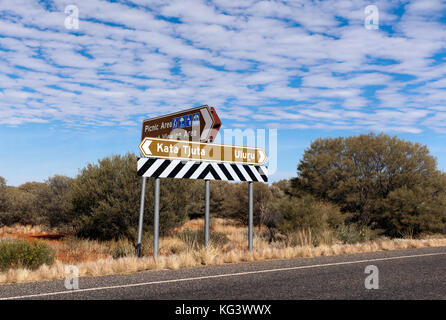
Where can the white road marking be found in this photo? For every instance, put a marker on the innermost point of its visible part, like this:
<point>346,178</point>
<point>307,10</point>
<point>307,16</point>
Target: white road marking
<point>220,276</point>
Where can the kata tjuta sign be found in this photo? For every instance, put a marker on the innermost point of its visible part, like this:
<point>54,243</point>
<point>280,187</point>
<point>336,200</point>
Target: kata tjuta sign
<point>199,124</point>
<point>189,150</point>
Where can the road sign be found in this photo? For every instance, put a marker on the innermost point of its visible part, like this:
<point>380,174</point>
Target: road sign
<point>196,124</point>
<point>189,158</point>
<point>189,150</point>
<point>166,168</point>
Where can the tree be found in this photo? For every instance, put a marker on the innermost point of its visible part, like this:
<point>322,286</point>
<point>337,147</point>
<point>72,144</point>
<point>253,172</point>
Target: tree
<point>105,198</point>
<point>31,206</point>
<point>220,195</point>
<point>237,201</point>
<point>36,203</point>
<point>57,204</point>
<point>19,207</point>
<point>179,199</point>
<point>3,200</point>
<point>270,216</point>
<point>362,173</point>
<point>408,212</point>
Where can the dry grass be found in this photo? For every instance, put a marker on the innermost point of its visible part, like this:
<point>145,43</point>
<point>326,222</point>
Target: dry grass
<point>16,229</point>
<point>95,258</point>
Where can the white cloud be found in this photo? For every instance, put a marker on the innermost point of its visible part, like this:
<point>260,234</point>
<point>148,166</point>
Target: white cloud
<point>297,63</point>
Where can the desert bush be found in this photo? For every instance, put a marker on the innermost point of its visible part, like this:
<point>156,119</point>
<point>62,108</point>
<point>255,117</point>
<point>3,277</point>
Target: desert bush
<point>195,238</point>
<point>121,248</point>
<point>306,213</point>
<point>305,220</point>
<point>172,245</point>
<point>368,176</point>
<point>303,237</point>
<point>57,204</point>
<point>105,199</point>
<point>19,253</point>
<point>306,237</point>
<point>36,203</point>
<point>237,197</point>
<point>3,197</point>
<point>354,233</point>
<point>22,206</point>
<point>221,191</point>
<point>146,244</point>
<point>409,212</point>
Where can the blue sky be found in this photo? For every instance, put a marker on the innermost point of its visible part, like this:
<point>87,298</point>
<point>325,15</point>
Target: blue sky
<point>306,68</point>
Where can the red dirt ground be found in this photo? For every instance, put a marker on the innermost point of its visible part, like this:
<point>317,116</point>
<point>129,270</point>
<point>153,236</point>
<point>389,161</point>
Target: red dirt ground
<point>63,253</point>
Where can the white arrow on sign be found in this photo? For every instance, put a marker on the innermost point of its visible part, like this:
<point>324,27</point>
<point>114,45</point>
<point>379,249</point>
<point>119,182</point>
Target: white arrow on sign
<point>146,147</point>
<point>262,156</point>
<point>208,123</point>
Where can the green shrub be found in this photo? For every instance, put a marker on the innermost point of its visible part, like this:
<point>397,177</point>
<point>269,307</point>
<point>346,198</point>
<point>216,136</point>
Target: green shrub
<point>195,238</point>
<point>352,233</point>
<point>306,237</point>
<point>105,200</point>
<point>304,220</point>
<point>122,248</point>
<point>19,253</point>
<point>306,213</point>
<point>381,181</point>
<point>409,212</point>
<point>36,203</point>
<point>235,199</point>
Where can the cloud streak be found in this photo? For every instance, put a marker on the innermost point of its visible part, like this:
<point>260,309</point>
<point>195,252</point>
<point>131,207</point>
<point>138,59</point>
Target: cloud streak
<point>294,64</point>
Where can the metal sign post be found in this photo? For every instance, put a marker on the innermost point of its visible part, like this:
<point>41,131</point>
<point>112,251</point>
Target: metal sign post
<point>156,218</point>
<point>251,211</point>
<point>206,212</point>
<point>141,216</point>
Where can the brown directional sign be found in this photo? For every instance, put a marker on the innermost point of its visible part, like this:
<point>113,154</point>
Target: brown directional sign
<point>196,124</point>
<point>189,150</point>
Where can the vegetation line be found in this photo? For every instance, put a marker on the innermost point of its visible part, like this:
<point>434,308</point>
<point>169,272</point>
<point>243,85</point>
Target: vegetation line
<point>207,256</point>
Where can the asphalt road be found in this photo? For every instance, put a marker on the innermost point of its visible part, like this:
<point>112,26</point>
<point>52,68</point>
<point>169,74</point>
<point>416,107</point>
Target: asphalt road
<point>403,274</point>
